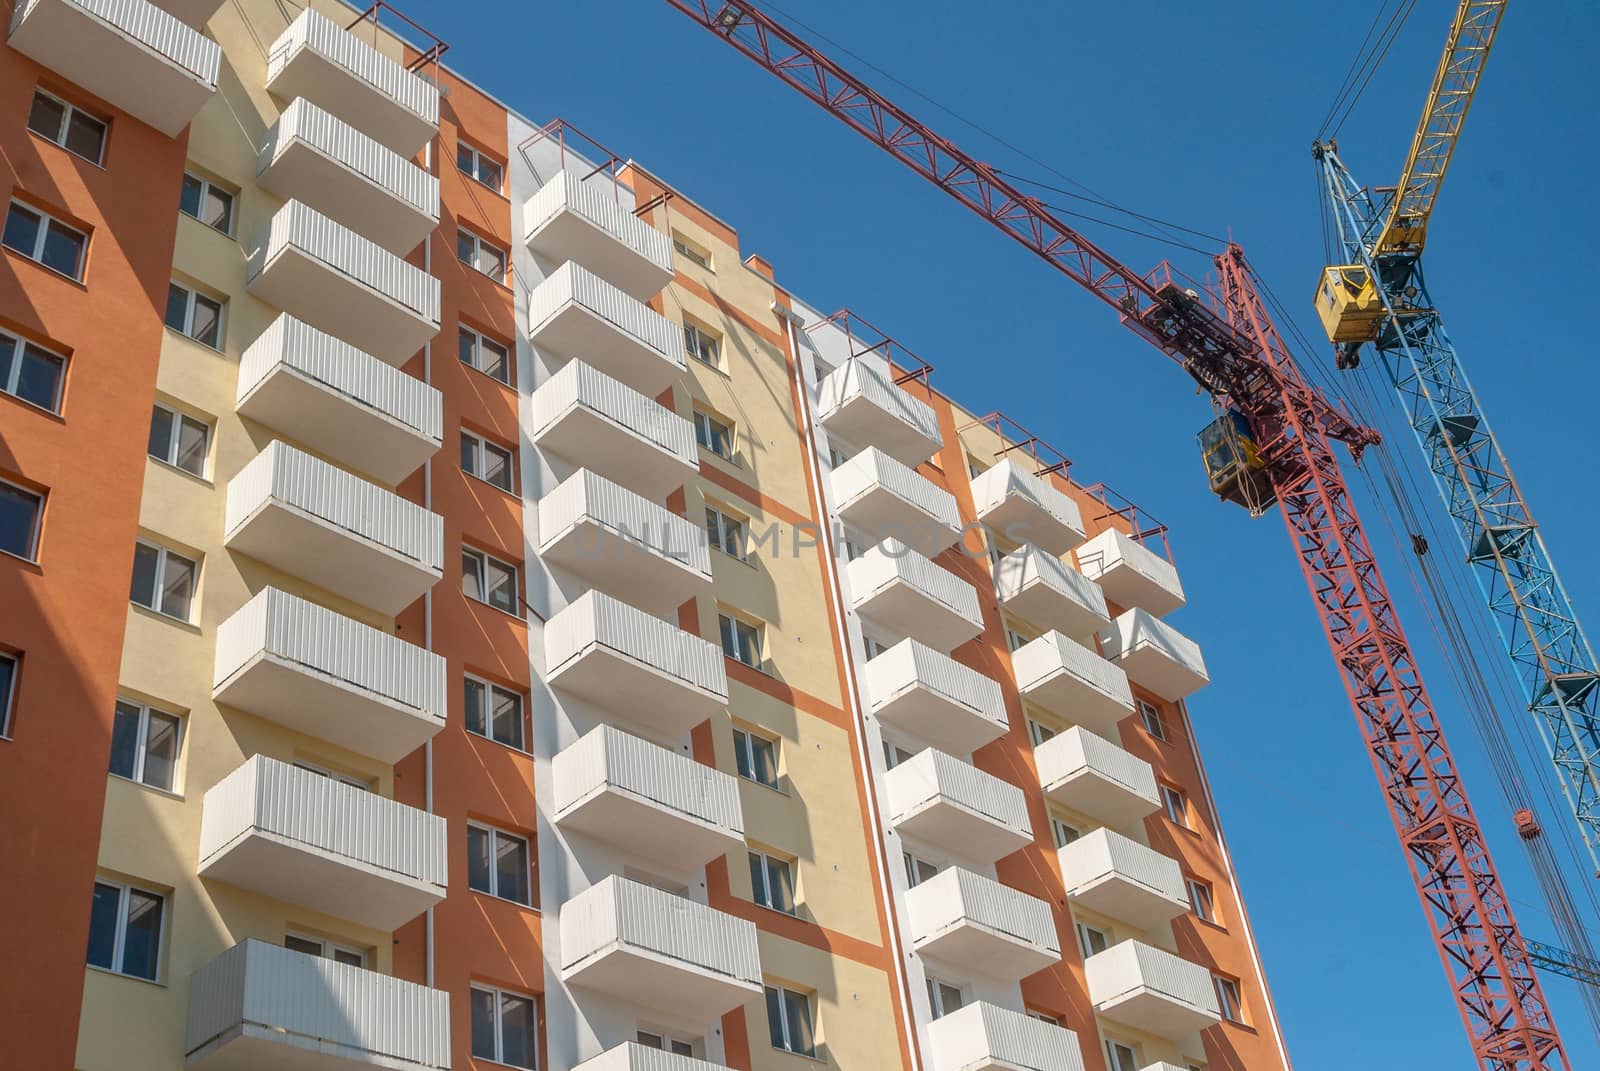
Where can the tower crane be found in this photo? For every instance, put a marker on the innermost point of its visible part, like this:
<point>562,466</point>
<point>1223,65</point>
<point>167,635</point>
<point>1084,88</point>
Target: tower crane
<point>1273,443</point>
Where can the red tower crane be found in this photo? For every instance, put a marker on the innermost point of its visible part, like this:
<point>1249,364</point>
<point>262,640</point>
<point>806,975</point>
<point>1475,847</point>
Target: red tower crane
<point>1274,444</point>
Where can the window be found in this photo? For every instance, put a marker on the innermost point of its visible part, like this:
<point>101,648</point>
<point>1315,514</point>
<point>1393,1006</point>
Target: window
<point>192,313</point>
<point>690,253</point>
<point>894,754</point>
<point>494,712</point>
<point>1015,640</point>
<point>1201,900</point>
<point>943,998</point>
<point>497,864</point>
<point>651,1040</point>
<point>144,745</point>
<point>333,775</point>
<point>1150,714</point>
<point>702,345</point>
<point>1039,733</point>
<point>315,946</point>
<point>486,355</point>
<point>474,164</point>
<point>1176,804</point>
<point>70,127</point>
<point>48,241</point>
<point>756,757</point>
<point>789,1021</point>
<point>163,580</point>
<point>179,440</point>
<point>1044,1017</point>
<point>207,202</point>
<point>1120,1057</point>
<point>1092,941</point>
<point>1064,833</point>
<point>8,690</point>
<point>20,510</point>
<point>488,580</point>
<point>503,1027</point>
<point>874,646</point>
<point>480,255</point>
<point>772,882</point>
<point>918,870</point>
<point>31,373</point>
<point>713,434</point>
<point>741,640</point>
<point>125,929</point>
<point>726,533</point>
<point>1228,998</point>
<point>486,461</point>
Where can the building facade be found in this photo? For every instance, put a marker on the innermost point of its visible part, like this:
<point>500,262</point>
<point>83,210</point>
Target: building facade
<point>530,635</point>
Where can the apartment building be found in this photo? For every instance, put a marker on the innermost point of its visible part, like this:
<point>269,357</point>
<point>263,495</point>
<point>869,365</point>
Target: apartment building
<point>458,610</point>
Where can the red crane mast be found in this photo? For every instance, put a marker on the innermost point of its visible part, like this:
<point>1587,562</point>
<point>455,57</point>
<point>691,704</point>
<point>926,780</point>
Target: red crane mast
<point>1224,338</point>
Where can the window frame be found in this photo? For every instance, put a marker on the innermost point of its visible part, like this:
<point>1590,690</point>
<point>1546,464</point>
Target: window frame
<point>174,437</point>
<point>498,995</point>
<point>495,833</point>
<point>1230,997</point>
<point>711,423</point>
<point>723,527</point>
<point>68,109</point>
<point>788,1044</point>
<point>734,624</point>
<point>8,694</point>
<point>142,746</point>
<point>744,756</point>
<point>325,947</point>
<point>1043,1017</point>
<point>914,864</point>
<point>668,1041</point>
<point>1207,893</point>
<point>691,253</point>
<point>763,896</point>
<point>119,949</point>
<point>478,338</point>
<point>1039,733</point>
<point>348,780</point>
<point>1112,1064</point>
<point>698,340</point>
<point>162,554</point>
<point>1082,930</point>
<point>1060,825</point>
<point>208,186</point>
<point>479,244</point>
<point>489,688</point>
<point>1175,798</point>
<point>478,156</point>
<point>486,559</point>
<point>46,220</point>
<point>480,448</point>
<point>895,753</point>
<point>36,528</point>
<point>20,348</point>
<point>193,295</point>
<point>936,988</point>
<point>1154,722</point>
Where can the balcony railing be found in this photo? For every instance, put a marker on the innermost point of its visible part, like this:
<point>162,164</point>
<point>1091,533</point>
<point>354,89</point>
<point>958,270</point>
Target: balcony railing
<point>1155,655</point>
<point>1151,990</point>
<point>1130,574</point>
<point>957,807</point>
<point>631,1056</point>
<point>592,420</point>
<point>878,495</point>
<point>317,672</point>
<point>909,595</point>
<point>297,836</point>
<point>1024,508</point>
<point>300,514</point>
<point>983,1037</point>
<point>1119,877</point>
<point>1048,592</point>
<point>860,405</point>
<point>656,805</point>
<point>570,219</point>
<point>1090,774</point>
<point>980,926</point>
<point>574,313</point>
<point>935,698</point>
<point>1069,679</point>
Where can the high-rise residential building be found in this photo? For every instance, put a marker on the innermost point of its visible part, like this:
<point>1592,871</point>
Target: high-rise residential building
<point>458,610</point>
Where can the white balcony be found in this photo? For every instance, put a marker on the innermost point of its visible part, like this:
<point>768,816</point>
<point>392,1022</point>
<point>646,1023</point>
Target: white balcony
<point>935,698</point>
<point>309,669</point>
<point>300,514</point>
<point>906,593</point>
<point>622,543</point>
<point>574,313</point>
<point>634,666</point>
<point>1093,776</point>
<point>957,807</point>
<point>318,60</point>
<point>569,219</point>
<point>1048,592</point>
<point>1069,679</point>
<point>878,495</point>
<point>315,157</point>
<point>1147,989</point>
<point>344,403</point>
<point>980,926</point>
<point>296,836</point>
<point>1131,574</point>
<point>259,1005</point>
<point>128,52</point>
<point>631,1056</point>
<point>1024,508</point>
<point>339,282</point>
<point>594,421</point>
<point>860,405</point>
<point>983,1037</point>
<point>1154,655</point>
<point>1121,878</point>
<point>655,805</point>
<point>686,963</point>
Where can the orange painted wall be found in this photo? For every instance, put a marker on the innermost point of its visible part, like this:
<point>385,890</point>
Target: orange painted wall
<point>66,614</point>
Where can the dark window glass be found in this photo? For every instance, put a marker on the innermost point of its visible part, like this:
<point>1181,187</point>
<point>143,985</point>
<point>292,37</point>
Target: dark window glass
<point>479,872</point>
<point>177,307</point>
<point>516,1031</point>
<point>145,559</point>
<point>483,1024</point>
<point>30,373</point>
<point>19,520</point>
<point>160,432</point>
<point>473,695</point>
<point>22,230</point>
<point>125,741</point>
<point>160,750</point>
<point>511,868</point>
<point>46,115</point>
<point>103,914</point>
<point>63,250</point>
<point>507,717</point>
<point>86,136</point>
<point>141,941</point>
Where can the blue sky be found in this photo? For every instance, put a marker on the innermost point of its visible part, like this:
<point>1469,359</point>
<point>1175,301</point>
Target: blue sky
<point>1204,114</point>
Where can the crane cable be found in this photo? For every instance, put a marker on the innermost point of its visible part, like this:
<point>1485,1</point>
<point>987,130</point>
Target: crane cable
<point>1362,70</point>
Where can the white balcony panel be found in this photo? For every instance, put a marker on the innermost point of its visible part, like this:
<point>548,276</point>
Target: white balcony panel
<point>623,544</point>
<point>316,390</point>
<point>1131,574</point>
<point>344,284</point>
<point>305,667</point>
<point>1151,990</point>
<point>878,495</point>
<point>317,59</point>
<point>631,1056</point>
<point>1024,508</point>
<point>1050,593</point>
<point>983,1037</point>
<point>594,421</point>
<point>935,698</point>
<point>1090,774</point>
<point>1069,679</point>
<point>861,405</point>
<point>128,52</point>
<point>300,514</point>
<point>1119,877</point>
<point>569,219</point>
<point>575,313</point>
<point>656,805</point>
<point>908,594</point>
<point>685,962</point>
<point>1155,655</point>
<point>957,807</point>
<point>259,1005</point>
<point>315,157</point>
<point>633,665</point>
<point>979,925</point>
<point>310,840</point>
